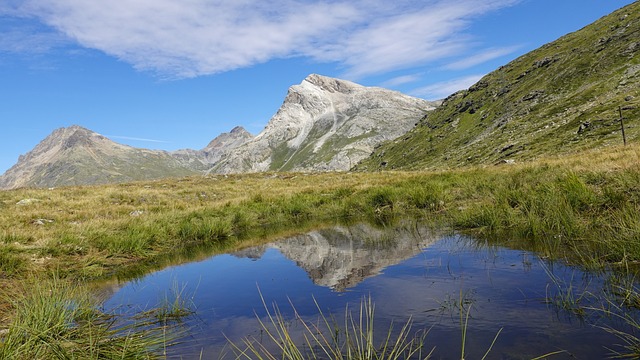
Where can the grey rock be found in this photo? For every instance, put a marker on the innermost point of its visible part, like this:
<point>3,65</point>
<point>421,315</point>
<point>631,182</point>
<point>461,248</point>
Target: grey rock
<point>27,201</point>
<point>326,124</point>
<point>206,158</point>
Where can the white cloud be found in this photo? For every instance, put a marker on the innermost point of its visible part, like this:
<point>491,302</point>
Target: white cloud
<point>443,89</point>
<point>26,41</point>
<point>196,37</point>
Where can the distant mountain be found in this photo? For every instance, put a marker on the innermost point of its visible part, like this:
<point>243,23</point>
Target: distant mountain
<point>326,124</point>
<point>561,98</point>
<point>77,156</point>
<point>203,160</point>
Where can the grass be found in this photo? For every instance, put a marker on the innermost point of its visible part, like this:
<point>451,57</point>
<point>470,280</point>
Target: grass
<point>57,320</point>
<point>175,306</point>
<point>561,98</point>
<point>584,209</point>
<point>355,338</point>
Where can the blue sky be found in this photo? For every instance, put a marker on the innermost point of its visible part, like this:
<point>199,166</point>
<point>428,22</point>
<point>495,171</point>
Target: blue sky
<point>171,74</point>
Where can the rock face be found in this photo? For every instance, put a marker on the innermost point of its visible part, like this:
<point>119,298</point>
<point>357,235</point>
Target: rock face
<point>77,156</point>
<point>326,124</point>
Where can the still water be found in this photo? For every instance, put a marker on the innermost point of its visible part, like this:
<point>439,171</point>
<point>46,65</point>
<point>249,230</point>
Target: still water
<point>407,271</point>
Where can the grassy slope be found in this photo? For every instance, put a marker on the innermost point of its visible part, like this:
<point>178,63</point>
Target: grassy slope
<point>535,105</point>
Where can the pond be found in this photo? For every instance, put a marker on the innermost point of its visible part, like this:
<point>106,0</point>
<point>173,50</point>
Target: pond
<point>533,306</point>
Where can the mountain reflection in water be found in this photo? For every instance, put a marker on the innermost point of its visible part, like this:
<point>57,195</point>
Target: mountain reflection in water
<point>341,257</point>
<point>409,271</point>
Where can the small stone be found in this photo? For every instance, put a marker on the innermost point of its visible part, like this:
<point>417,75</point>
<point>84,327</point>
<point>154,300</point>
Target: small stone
<point>136,213</point>
<point>27,201</point>
<point>42,221</point>
<point>584,126</point>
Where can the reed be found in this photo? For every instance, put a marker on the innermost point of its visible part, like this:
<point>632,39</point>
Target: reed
<point>356,338</point>
<point>57,320</point>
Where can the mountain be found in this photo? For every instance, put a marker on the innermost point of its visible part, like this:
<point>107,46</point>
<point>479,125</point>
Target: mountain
<point>561,98</point>
<point>341,257</point>
<point>326,124</point>
<point>203,160</point>
<point>77,156</point>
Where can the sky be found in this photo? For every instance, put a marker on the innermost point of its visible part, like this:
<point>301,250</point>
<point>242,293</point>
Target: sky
<point>172,74</point>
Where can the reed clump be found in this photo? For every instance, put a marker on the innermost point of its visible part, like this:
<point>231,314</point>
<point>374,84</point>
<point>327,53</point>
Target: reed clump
<point>356,338</point>
<point>55,319</point>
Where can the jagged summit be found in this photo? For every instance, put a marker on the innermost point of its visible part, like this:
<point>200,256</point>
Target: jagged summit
<point>63,139</point>
<point>330,84</point>
<point>237,135</point>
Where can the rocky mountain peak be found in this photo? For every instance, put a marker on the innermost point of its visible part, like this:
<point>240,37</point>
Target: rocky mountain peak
<point>326,124</point>
<point>237,136</point>
<point>238,130</point>
<point>76,136</point>
<point>331,84</point>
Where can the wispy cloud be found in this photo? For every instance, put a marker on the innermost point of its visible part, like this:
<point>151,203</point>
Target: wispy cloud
<point>135,139</point>
<point>197,37</point>
<point>401,80</point>
<point>482,57</point>
<point>443,89</point>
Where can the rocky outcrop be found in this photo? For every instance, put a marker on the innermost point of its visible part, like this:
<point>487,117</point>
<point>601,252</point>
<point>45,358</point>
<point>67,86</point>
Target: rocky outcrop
<point>326,124</point>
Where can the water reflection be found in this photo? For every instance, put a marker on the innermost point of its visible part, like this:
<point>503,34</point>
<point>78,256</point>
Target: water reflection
<point>408,271</point>
<point>341,257</point>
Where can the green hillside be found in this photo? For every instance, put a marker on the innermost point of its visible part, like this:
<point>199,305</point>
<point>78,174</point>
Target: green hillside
<point>561,98</point>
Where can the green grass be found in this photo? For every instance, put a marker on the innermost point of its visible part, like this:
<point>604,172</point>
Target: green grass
<point>57,320</point>
<point>582,208</point>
